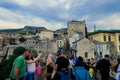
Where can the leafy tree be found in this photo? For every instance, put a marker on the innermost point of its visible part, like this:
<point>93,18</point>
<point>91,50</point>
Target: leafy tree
<point>6,66</point>
<point>22,39</point>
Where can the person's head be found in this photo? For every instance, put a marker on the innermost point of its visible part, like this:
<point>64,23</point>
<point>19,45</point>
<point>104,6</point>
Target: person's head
<point>107,56</point>
<point>26,53</point>
<point>37,63</point>
<point>50,55</point>
<point>88,60</point>
<point>61,54</point>
<point>63,63</point>
<point>49,59</point>
<point>79,61</point>
<point>29,56</point>
<point>92,59</point>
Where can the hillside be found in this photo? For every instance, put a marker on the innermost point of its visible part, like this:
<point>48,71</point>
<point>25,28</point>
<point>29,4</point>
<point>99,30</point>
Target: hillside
<point>63,30</point>
<point>25,29</point>
<point>11,30</point>
<point>33,29</point>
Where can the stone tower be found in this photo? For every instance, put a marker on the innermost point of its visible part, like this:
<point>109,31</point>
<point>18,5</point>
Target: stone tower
<point>76,26</point>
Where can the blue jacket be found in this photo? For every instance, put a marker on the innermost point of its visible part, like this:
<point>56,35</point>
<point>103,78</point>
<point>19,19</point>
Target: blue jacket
<point>81,74</point>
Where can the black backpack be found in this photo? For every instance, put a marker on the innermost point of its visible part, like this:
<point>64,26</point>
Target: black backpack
<point>99,65</point>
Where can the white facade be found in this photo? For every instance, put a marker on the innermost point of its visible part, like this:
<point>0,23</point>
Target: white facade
<point>74,38</point>
<point>46,34</point>
<point>100,49</point>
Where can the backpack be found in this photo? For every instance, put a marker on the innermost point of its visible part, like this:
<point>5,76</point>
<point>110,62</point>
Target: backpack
<point>99,65</point>
<point>65,75</point>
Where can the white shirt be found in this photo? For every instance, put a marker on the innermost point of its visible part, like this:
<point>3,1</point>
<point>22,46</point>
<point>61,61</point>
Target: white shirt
<point>31,67</point>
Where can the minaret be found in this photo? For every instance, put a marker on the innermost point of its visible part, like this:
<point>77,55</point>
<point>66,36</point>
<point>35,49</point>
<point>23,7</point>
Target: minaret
<point>94,27</point>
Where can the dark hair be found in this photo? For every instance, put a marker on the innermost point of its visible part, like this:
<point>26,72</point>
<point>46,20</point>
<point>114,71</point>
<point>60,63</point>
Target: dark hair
<point>106,55</point>
<point>79,62</point>
<point>29,57</point>
<point>63,63</point>
<point>62,52</point>
<point>92,59</point>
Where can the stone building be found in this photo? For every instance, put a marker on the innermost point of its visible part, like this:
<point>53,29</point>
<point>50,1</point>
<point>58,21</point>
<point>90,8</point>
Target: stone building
<point>84,47</point>
<point>46,34</point>
<point>76,26</point>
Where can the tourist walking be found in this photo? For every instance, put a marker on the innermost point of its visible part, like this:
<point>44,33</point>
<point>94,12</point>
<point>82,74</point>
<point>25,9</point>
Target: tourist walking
<point>61,55</point>
<point>19,66</point>
<point>49,67</point>
<point>63,72</point>
<point>80,72</point>
<point>104,66</point>
<point>92,69</point>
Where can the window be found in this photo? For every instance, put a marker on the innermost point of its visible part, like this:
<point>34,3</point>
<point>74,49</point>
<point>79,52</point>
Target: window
<point>86,54</point>
<point>101,47</point>
<point>119,38</point>
<point>109,38</point>
<point>60,42</point>
<point>119,47</point>
<point>104,38</point>
<point>91,37</point>
<point>95,53</point>
<point>100,53</point>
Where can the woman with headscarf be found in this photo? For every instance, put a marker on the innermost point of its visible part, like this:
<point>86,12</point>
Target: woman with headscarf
<point>49,67</point>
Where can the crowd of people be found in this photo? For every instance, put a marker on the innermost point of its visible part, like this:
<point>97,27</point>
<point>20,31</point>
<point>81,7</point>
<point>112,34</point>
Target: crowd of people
<point>25,67</point>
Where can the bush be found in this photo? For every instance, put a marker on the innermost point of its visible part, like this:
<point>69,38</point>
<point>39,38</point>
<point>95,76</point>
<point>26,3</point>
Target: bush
<point>22,39</point>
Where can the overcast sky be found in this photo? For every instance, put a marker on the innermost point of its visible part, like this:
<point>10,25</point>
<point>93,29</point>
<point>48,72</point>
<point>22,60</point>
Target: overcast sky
<point>54,14</point>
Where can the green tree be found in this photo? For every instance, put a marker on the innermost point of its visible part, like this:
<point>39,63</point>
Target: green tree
<point>6,66</point>
<point>22,39</point>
